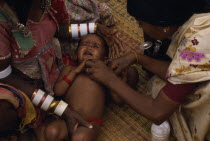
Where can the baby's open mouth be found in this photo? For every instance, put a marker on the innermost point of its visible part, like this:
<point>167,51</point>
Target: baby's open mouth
<point>88,53</point>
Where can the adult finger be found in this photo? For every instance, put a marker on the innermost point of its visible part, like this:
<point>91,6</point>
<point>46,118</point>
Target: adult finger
<point>124,75</point>
<point>119,43</point>
<point>75,127</point>
<point>118,70</point>
<point>82,122</point>
<point>117,51</point>
<point>110,53</point>
<point>113,65</point>
<point>112,31</point>
<point>113,53</point>
<point>71,124</point>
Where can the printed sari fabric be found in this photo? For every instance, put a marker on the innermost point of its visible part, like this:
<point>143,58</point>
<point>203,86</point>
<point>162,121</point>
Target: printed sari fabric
<point>36,56</point>
<point>190,53</point>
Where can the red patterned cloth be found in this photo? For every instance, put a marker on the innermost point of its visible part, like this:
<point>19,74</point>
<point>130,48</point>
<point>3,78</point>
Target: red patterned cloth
<point>40,61</point>
<point>61,12</point>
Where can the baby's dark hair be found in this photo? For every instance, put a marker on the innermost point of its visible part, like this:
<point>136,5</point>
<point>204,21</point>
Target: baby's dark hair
<point>106,47</point>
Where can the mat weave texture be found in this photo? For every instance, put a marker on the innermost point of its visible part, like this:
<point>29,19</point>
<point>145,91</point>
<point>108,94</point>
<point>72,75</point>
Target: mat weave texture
<point>121,123</point>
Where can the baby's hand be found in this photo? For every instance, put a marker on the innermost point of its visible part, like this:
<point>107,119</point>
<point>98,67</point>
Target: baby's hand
<point>79,68</point>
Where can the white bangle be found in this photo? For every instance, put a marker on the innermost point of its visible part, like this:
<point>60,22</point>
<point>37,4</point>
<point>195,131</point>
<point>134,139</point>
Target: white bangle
<point>38,97</point>
<point>47,102</point>
<point>83,29</point>
<point>6,72</point>
<point>60,108</point>
<point>74,30</point>
<point>91,27</point>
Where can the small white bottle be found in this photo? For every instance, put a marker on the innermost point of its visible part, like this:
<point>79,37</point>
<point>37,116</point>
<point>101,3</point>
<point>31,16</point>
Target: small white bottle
<point>160,132</point>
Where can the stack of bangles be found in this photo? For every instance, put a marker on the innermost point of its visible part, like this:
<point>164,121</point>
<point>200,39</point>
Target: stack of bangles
<point>47,103</point>
<point>79,30</point>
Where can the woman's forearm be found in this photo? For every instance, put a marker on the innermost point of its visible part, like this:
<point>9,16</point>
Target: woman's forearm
<point>143,104</point>
<point>17,82</point>
<point>155,66</point>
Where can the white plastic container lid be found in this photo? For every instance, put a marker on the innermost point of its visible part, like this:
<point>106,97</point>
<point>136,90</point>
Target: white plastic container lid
<point>161,130</point>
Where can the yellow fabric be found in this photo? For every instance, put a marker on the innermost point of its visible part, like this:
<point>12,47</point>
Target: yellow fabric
<point>29,108</point>
<point>30,112</point>
<point>10,98</point>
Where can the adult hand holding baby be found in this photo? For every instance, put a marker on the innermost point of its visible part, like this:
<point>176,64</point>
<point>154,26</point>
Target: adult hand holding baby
<point>73,120</point>
<point>98,71</point>
<point>111,37</point>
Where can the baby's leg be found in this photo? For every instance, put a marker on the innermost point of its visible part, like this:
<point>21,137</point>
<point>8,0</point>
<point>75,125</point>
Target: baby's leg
<point>54,130</point>
<point>86,97</point>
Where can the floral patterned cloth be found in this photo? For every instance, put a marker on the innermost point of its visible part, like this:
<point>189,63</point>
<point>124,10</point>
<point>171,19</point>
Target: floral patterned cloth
<point>190,53</point>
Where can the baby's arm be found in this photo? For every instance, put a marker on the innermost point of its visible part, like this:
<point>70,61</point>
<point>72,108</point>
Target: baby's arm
<point>61,86</point>
<point>68,74</point>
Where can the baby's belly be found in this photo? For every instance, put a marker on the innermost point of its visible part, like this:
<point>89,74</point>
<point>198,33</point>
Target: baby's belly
<point>85,92</point>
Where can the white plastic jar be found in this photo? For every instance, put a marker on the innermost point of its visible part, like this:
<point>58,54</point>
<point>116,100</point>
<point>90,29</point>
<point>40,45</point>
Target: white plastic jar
<point>160,132</point>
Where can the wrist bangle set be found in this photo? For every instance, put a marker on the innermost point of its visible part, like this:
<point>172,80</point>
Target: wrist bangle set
<point>47,103</point>
<point>79,30</point>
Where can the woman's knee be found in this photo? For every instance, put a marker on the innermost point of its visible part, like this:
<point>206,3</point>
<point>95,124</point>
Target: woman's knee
<point>55,132</point>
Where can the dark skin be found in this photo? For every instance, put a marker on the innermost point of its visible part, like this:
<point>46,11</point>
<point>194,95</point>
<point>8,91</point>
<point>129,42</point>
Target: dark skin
<point>85,95</point>
<point>71,118</point>
<point>157,110</point>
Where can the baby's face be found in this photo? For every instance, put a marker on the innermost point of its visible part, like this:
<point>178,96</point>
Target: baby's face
<point>91,47</point>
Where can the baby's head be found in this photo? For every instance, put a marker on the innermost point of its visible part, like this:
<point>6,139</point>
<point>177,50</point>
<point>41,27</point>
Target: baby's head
<point>92,46</point>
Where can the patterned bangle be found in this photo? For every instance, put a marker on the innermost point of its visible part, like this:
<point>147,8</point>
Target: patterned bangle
<point>137,59</point>
<point>68,81</point>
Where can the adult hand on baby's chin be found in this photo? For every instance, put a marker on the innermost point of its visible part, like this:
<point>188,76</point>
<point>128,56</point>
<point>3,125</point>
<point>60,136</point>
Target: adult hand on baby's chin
<point>98,71</point>
<point>73,120</point>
